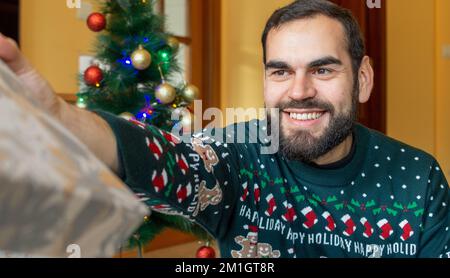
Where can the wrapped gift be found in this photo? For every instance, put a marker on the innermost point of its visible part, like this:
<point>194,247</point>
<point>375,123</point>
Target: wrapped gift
<point>56,198</point>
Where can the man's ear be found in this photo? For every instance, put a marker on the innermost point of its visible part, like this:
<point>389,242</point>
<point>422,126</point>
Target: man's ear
<point>365,75</point>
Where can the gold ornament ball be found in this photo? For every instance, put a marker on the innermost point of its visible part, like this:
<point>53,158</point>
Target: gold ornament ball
<point>127,116</point>
<point>141,58</point>
<point>165,93</point>
<point>190,93</point>
<point>174,43</point>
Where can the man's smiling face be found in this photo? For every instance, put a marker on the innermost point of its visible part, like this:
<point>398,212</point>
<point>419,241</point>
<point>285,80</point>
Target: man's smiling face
<point>309,77</point>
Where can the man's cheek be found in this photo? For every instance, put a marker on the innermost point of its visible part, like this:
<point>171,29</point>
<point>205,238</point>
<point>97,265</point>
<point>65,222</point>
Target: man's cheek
<point>269,100</point>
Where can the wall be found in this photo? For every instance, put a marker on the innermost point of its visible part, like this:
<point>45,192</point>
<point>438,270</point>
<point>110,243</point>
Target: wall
<point>242,66</point>
<point>52,38</point>
<point>443,85</point>
<point>410,69</point>
<point>418,91</point>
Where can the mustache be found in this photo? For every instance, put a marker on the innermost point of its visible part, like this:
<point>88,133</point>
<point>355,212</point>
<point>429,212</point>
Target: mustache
<point>306,104</point>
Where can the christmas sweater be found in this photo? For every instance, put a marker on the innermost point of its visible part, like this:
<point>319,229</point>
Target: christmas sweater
<point>389,200</point>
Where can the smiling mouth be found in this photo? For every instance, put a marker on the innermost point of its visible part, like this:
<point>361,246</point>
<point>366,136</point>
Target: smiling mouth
<point>305,115</point>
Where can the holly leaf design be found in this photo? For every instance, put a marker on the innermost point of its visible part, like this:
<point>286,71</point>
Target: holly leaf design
<point>398,205</point>
<point>278,181</point>
<point>247,173</point>
<point>266,176</point>
<point>355,203</point>
<point>339,206</point>
<point>376,211</point>
<point>316,198</point>
<point>350,208</point>
<point>370,204</point>
<point>331,199</point>
<point>263,184</point>
<point>412,205</point>
<point>295,189</point>
<point>391,211</point>
<point>419,212</point>
<point>300,198</point>
<point>313,202</point>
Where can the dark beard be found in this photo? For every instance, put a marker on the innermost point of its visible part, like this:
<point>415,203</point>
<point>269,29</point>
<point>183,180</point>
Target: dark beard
<point>301,145</point>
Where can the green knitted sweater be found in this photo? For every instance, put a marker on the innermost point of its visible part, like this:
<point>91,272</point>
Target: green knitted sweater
<point>388,200</point>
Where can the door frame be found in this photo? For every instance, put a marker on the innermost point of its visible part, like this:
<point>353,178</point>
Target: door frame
<point>373,25</point>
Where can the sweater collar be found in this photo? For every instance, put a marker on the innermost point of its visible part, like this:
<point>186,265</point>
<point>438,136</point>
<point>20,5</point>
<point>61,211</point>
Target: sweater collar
<point>335,177</point>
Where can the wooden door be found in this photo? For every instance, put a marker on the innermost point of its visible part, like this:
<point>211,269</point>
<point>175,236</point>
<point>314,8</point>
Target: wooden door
<point>373,25</point>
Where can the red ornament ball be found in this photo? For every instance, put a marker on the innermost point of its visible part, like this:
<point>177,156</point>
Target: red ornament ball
<point>206,252</point>
<point>96,22</point>
<point>93,76</point>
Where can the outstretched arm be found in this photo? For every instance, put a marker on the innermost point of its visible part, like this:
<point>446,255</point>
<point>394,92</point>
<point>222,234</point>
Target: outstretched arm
<point>197,177</point>
<point>198,180</point>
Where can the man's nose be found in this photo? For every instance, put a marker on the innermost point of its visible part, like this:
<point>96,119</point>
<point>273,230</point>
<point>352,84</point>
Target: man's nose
<point>301,88</point>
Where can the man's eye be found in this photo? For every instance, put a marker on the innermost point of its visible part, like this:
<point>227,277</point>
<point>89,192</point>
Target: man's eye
<point>280,73</point>
<point>322,71</point>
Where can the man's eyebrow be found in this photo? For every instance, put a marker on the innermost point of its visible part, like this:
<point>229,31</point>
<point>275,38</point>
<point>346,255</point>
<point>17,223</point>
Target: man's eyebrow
<point>277,65</point>
<point>325,61</point>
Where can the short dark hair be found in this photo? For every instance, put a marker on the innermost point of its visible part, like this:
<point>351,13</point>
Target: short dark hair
<point>301,9</point>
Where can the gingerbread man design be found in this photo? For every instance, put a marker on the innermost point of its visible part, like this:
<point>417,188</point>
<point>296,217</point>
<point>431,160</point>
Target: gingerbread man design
<point>250,248</point>
<point>207,197</point>
<point>206,152</point>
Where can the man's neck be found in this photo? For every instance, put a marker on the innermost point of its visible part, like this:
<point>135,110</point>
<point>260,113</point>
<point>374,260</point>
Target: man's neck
<point>336,154</point>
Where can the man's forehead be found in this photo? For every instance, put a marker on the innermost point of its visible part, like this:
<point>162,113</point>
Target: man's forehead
<point>307,39</point>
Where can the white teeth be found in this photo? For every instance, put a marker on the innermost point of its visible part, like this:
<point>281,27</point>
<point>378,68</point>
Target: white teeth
<point>306,116</point>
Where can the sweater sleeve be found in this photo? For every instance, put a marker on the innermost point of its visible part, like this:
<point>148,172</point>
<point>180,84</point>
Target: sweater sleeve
<point>195,179</point>
<point>435,238</point>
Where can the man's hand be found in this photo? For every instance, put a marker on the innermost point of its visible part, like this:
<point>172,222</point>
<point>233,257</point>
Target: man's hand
<point>87,126</point>
<point>37,86</point>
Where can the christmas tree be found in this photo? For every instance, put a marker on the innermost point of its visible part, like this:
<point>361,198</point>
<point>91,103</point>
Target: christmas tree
<point>137,61</point>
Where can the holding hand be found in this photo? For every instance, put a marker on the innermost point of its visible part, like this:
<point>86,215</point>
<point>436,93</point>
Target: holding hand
<point>38,87</point>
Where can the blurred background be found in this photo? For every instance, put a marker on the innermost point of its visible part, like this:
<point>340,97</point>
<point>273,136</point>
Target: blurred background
<point>408,41</point>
